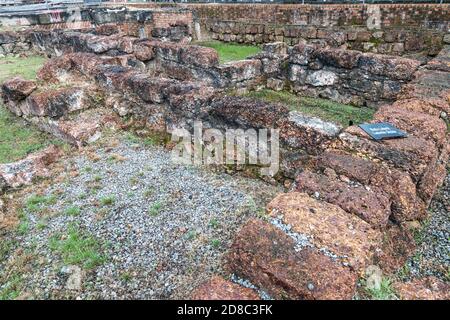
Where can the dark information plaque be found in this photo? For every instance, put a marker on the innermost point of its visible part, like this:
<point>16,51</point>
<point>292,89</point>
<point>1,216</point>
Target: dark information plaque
<point>382,130</point>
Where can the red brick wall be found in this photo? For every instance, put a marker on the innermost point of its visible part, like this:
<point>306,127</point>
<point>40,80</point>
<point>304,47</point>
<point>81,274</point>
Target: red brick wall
<point>387,28</point>
<point>167,19</point>
<point>424,15</point>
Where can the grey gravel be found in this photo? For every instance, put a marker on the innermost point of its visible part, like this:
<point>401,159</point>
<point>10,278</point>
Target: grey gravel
<point>301,240</point>
<point>160,253</point>
<point>432,257</point>
<point>247,284</point>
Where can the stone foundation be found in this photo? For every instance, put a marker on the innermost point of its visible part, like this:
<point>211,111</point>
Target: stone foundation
<point>388,29</point>
<point>353,200</point>
<point>165,24</point>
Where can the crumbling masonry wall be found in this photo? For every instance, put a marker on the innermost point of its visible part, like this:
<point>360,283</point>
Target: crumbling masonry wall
<point>389,28</point>
<point>167,24</point>
<point>353,201</point>
<point>341,75</point>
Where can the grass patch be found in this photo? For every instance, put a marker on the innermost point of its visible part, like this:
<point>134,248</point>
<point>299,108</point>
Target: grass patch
<point>321,108</point>
<point>11,289</point>
<point>73,211</point>
<point>78,248</point>
<point>190,235</point>
<point>17,139</point>
<point>149,192</point>
<point>132,138</point>
<point>385,292</point>
<point>215,243</point>
<point>214,223</point>
<point>5,247</point>
<point>230,51</point>
<point>126,277</point>
<point>150,139</point>
<point>107,201</point>
<point>19,263</point>
<point>36,202</point>
<point>155,208</point>
<point>24,226</point>
<point>26,67</point>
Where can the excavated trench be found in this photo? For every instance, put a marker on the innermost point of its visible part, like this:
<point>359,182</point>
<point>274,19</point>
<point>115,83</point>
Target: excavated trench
<point>352,204</point>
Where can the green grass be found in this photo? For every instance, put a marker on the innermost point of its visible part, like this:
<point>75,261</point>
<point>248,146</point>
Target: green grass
<point>23,227</point>
<point>132,138</point>
<point>5,247</point>
<point>216,243</point>
<point>214,223</point>
<point>11,289</point>
<point>25,67</point>
<point>385,292</point>
<point>107,201</point>
<point>126,277</point>
<point>230,51</point>
<point>325,109</point>
<point>190,235</point>
<point>36,202</point>
<point>87,169</point>
<point>149,192</point>
<point>72,211</point>
<point>77,247</point>
<point>42,224</point>
<point>155,208</point>
<point>17,139</point>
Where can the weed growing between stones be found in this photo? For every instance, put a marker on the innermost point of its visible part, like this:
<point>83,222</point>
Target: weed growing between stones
<point>77,247</point>
<point>10,290</point>
<point>42,224</point>
<point>36,203</point>
<point>215,243</point>
<point>214,223</point>
<point>24,225</point>
<point>73,211</point>
<point>384,292</point>
<point>6,246</point>
<point>107,201</point>
<point>155,208</point>
<point>18,262</point>
<point>18,139</point>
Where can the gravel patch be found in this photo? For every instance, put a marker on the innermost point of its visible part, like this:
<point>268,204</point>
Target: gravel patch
<point>302,240</point>
<point>163,228</point>
<point>247,284</point>
<point>432,257</point>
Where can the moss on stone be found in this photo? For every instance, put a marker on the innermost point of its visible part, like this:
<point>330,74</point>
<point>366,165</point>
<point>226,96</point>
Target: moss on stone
<point>325,109</point>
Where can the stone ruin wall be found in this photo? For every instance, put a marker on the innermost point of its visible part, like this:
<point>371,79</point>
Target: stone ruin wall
<point>169,84</point>
<point>169,24</point>
<point>341,75</point>
<point>388,29</point>
<point>355,198</point>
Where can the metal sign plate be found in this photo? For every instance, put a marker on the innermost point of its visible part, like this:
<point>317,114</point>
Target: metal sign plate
<point>382,130</point>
